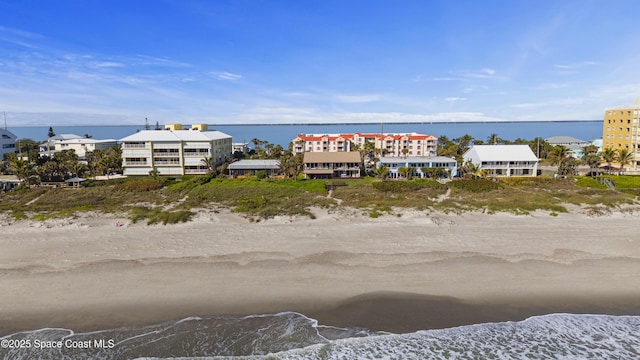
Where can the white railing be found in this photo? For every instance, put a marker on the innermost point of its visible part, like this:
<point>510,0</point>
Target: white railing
<point>134,146</point>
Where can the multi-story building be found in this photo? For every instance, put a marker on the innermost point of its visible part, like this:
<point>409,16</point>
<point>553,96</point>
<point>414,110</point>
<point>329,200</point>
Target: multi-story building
<point>388,145</point>
<point>174,151</point>
<point>7,143</point>
<point>322,143</point>
<point>621,130</point>
<point>503,160</point>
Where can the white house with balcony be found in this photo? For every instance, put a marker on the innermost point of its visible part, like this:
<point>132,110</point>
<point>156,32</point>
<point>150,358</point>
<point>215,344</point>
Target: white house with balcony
<point>503,160</point>
<point>174,152</point>
<point>7,143</point>
<point>79,144</point>
<point>418,165</point>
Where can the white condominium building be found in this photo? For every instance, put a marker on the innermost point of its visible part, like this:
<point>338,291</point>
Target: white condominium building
<point>174,151</point>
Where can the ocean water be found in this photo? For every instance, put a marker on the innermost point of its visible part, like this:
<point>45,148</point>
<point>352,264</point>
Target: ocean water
<point>294,336</point>
<point>282,134</point>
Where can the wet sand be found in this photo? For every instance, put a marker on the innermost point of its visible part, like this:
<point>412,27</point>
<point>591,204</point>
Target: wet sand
<point>418,271</point>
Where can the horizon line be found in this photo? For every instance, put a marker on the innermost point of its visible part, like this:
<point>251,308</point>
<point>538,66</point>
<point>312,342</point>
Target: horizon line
<point>326,123</point>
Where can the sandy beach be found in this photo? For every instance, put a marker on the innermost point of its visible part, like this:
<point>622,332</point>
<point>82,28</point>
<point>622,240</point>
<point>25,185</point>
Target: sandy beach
<point>417,271</point>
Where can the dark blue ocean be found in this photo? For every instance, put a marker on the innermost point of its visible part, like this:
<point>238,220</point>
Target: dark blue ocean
<point>283,134</point>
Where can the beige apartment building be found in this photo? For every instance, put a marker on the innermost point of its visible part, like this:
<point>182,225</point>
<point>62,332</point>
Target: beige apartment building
<point>621,130</point>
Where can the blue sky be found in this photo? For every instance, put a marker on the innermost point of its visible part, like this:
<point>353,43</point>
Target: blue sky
<point>227,62</point>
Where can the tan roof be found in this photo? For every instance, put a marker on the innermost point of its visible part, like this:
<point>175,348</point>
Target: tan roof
<point>332,157</point>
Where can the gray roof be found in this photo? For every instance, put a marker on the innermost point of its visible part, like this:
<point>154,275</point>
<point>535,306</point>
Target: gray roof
<point>7,132</point>
<point>565,140</point>
<point>176,135</point>
<point>254,164</point>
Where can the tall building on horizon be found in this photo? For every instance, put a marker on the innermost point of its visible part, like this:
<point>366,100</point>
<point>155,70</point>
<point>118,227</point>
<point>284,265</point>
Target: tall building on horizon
<point>621,130</point>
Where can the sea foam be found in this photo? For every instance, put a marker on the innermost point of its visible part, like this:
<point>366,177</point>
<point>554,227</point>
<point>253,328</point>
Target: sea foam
<point>291,335</point>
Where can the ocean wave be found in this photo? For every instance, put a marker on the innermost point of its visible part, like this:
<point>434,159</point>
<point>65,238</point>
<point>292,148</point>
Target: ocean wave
<point>557,336</point>
<point>291,335</point>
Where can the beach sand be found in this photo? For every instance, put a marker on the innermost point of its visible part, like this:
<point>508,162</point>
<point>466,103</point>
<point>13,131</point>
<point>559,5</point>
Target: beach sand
<point>418,271</point>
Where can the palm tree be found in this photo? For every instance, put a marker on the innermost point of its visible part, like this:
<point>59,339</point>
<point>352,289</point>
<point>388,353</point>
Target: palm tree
<point>427,172</point>
<point>381,171</point>
<point>405,171</point>
<point>20,168</point>
<point>464,141</point>
<point>593,160</point>
<point>210,163</point>
<point>624,157</point>
<point>558,154</point>
<point>469,169</point>
<point>609,156</point>
<point>493,139</point>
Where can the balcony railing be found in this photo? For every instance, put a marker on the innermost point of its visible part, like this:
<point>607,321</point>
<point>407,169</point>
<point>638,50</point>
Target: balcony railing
<point>134,146</point>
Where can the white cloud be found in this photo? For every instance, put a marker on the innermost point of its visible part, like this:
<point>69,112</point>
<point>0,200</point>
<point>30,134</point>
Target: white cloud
<point>107,64</point>
<point>478,74</point>
<point>359,98</point>
<point>455,99</point>
<point>555,103</point>
<point>226,76</point>
<point>574,65</point>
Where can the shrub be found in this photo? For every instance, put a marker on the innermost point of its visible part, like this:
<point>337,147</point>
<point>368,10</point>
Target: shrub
<point>140,185</point>
<point>398,186</point>
<point>261,174</point>
<point>154,216</point>
<point>476,185</point>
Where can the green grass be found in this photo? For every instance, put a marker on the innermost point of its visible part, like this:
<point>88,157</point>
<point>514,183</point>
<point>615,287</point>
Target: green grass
<point>156,216</point>
<point>625,181</point>
<point>144,198</point>
<point>418,194</point>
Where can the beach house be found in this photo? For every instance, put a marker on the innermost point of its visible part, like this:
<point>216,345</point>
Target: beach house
<point>328,165</point>
<point>572,144</point>
<point>79,144</point>
<point>419,165</point>
<point>253,167</point>
<point>174,151</point>
<point>7,143</point>
<point>503,160</point>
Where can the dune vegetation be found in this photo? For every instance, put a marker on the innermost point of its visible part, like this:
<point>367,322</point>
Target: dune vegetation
<point>171,200</point>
